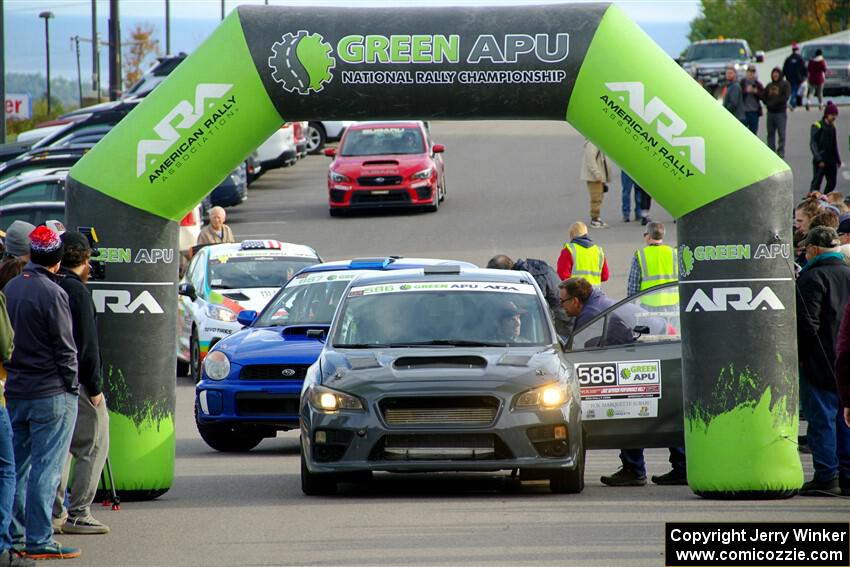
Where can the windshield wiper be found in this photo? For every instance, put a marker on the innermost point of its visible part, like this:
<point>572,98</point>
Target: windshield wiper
<point>451,342</point>
<point>361,345</point>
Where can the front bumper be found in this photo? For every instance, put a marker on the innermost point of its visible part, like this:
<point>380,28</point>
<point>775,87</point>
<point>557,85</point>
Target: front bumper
<point>361,440</point>
<point>409,195</point>
<point>242,402</point>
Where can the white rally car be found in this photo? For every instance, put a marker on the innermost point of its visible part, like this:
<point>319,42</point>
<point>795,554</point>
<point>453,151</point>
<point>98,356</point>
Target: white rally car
<point>221,281</point>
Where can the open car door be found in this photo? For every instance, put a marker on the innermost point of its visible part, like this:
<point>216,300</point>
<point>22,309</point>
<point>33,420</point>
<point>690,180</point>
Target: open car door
<point>628,361</point>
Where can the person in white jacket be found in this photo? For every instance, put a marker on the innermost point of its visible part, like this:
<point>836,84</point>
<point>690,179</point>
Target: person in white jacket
<point>594,171</point>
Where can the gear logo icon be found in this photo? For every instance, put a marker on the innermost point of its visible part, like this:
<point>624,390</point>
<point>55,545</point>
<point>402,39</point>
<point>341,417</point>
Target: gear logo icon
<point>686,260</point>
<point>302,62</point>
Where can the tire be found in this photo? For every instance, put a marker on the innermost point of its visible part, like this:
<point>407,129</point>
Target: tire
<point>443,187</point>
<point>313,484</point>
<point>195,357</point>
<point>316,138</point>
<point>182,368</point>
<point>436,206</point>
<point>569,481</point>
<point>227,439</point>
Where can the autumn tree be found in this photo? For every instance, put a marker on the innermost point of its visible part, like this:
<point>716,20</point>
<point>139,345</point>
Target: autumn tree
<point>768,24</point>
<point>139,51</point>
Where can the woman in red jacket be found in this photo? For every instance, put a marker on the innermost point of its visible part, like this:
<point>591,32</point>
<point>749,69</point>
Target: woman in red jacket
<point>817,76</point>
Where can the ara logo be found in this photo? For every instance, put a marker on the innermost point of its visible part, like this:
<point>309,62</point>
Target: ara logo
<point>121,301</point>
<point>734,299</point>
<point>186,114</point>
<point>669,125</point>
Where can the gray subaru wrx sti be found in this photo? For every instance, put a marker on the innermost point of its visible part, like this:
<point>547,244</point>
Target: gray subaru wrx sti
<point>441,369</point>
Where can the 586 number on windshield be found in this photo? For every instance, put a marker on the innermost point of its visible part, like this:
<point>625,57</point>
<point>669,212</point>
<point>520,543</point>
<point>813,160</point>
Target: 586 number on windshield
<point>596,374</point>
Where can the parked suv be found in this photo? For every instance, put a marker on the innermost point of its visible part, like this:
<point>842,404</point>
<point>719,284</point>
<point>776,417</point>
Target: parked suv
<point>837,55</point>
<point>707,60</point>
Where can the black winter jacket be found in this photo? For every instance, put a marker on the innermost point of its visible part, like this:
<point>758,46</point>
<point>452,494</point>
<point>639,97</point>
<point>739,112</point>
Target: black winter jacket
<point>823,289</point>
<point>547,280</point>
<point>823,142</point>
<point>794,69</point>
<point>85,331</point>
<point>44,362</point>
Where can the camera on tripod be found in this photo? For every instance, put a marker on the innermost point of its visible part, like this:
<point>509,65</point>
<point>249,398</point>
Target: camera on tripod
<point>97,268</point>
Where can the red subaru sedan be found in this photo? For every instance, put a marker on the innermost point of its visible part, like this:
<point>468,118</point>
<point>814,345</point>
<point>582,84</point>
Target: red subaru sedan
<point>386,164</point>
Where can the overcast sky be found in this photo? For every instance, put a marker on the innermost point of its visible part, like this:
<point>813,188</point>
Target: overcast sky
<point>641,11</point>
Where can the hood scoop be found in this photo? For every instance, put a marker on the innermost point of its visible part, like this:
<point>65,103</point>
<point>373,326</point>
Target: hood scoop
<point>363,362</point>
<point>381,162</point>
<point>236,296</point>
<point>514,360</point>
<point>416,362</point>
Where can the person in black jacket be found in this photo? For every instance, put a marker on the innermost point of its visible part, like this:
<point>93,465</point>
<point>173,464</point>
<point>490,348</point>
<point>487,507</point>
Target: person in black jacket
<point>823,289</point>
<point>823,142</point>
<point>41,394</point>
<point>776,95</point>
<point>90,443</point>
<point>547,281</point>
<point>795,71</point>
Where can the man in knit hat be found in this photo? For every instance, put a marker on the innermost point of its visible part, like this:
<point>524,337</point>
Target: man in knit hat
<point>18,240</point>
<point>823,142</point>
<point>41,394</point>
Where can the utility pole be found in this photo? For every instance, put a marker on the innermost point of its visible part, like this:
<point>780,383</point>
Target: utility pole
<point>222,9</point>
<point>167,27</point>
<point>76,40</point>
<point>46,15</point>
<point>95,52</point>
<point>2,75</point>
<point>114,51</point>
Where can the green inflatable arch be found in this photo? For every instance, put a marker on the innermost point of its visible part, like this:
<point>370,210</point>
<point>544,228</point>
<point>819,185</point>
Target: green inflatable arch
<point>584,63</point>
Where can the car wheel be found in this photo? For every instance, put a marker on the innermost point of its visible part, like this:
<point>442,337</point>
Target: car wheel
<point>436,206</point>
<point>443,187</point>
<point>182,367</point>
<point>569,481</point>
<point>313,484</point>
<point>227,439</point>
<point>195,357</point>
<point>315,138</point>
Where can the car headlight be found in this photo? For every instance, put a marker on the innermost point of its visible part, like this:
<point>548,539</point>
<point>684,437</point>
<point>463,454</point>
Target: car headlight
<point>550,396</point>
<point>338,177</point>
<point>424,174</point>
<point>217,365</point>
<point>328,400</point>
<point>220,313</point>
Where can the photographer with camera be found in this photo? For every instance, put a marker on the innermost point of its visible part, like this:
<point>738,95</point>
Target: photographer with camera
<point>90,442</point>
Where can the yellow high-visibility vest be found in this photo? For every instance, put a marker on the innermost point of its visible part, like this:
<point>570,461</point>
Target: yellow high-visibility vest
<point>587,262</point>
<point>658,265</point>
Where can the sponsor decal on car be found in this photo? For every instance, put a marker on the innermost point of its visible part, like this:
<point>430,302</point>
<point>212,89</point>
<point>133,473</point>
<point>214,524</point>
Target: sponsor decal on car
<point>321,277</point>
<point>615,390</point>
<point>442,286</point>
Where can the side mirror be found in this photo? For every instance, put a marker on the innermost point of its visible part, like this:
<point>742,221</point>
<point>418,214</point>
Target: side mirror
<point>679,60</point>
<point>187,290</point>
<point>438,148</point>
<point>640,330</point>
<point>759,56</point>
<point>245,318</point>
<point>330,152</point>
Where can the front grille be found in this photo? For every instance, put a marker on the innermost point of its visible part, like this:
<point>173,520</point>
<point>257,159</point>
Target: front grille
<point>274,372</point>
<point>259,404</point>
<point>392,197</point>
<point>440,447</point>
<point>838,73</point>
<point>379,180</point>
<point>465,411</point>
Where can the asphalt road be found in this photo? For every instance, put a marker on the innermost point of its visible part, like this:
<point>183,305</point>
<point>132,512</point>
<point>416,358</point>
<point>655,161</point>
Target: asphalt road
<point>514,189</point>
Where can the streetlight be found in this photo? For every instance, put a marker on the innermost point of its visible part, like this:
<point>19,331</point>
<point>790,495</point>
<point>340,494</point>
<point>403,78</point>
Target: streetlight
<point>47,16</point>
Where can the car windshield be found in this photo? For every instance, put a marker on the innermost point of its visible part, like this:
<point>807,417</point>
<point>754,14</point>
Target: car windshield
<point>236,272</point>
<point>382,141</point>
<point>724,51</point>
<point>831,51</point>
<point>308,298</point>
<point>442,314</point>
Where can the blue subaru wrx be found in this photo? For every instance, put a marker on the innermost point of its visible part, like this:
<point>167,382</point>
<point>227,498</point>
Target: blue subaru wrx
<point>251,381</point>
